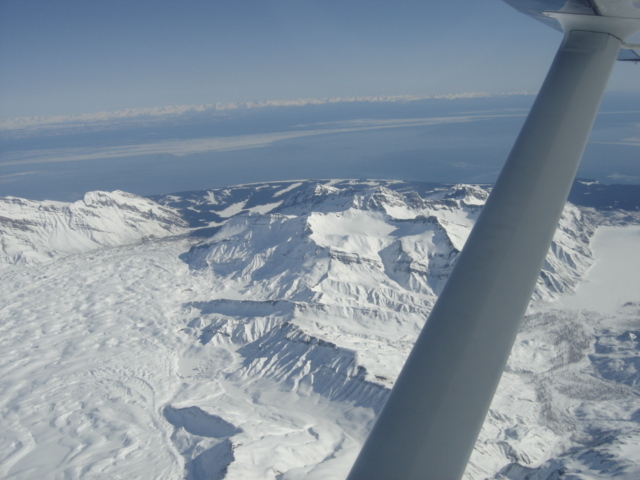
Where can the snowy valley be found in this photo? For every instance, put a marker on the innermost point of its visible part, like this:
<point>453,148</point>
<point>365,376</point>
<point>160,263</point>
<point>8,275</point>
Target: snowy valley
<point>254,332</point>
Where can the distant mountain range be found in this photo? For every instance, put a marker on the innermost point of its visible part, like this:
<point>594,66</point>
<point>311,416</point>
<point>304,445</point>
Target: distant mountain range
<point>254,331</point>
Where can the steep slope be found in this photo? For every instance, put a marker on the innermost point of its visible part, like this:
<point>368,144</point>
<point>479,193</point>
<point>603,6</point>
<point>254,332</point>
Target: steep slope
<point>265,350</point>
<point>32,232</point>
<point>401,245</point>
<point>350,273</point>
<point>327,292</point>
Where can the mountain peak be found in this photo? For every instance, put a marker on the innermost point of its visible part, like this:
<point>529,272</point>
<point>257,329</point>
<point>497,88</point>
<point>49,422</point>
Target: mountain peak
<point>36,232</point>
<point>408,247</point>
<point>266,350</point>
<point>468,194</point>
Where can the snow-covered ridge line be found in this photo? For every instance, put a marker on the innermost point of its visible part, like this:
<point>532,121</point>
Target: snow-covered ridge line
<point>273,339</point>
<point>361,265</point>
<point>327,253</point>
<point>398,236</point>
<point>33,232</point>
<point>264,352</point>
<point>300,361</point>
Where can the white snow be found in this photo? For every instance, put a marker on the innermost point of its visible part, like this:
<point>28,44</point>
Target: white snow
<point>88,348</point>
<point>287,189</point>
<point>264,208</point>
<point>232,210</point>
<point>266,351</point>
<point>614,278</point>
<point>353,231</point>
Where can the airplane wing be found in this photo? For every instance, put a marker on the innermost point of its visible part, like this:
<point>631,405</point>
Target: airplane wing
<point>539,10</point>
<point>429,425</point>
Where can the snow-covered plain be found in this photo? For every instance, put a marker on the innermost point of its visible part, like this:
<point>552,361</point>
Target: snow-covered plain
<point>263,348</point>
<point>614,279</point>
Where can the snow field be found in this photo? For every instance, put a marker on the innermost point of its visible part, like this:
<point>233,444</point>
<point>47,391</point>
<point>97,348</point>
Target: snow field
<point>88,348</point>
<point>265,351</point>
<point>613,279</point>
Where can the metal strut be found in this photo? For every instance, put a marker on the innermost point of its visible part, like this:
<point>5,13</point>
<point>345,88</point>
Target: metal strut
<point>429,425</point>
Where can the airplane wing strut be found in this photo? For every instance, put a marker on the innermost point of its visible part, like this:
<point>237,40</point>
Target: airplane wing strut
<point>429,425</point>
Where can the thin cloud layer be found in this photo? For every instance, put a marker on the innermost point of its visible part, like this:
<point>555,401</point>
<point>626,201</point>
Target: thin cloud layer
<point>27,126</point>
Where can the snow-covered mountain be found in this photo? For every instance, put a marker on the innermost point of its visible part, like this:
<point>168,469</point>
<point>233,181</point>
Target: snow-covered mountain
<point>33,231</point>
<point>262,344</point>
<point>405,243</point>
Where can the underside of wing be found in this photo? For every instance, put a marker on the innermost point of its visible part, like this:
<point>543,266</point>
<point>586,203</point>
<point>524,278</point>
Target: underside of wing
<point>543,10</point>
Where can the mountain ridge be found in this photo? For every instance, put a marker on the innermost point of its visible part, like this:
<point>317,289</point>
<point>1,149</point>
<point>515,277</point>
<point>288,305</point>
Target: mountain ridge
<point>277,316</point>
<point>33,231</point>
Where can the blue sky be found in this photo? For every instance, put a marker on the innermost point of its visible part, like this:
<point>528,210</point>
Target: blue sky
<point>158,96</point>
<point>61,57</point>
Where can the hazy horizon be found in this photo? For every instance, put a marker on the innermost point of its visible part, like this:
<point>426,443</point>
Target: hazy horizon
<point>454,139</point>
<point>158,96</point>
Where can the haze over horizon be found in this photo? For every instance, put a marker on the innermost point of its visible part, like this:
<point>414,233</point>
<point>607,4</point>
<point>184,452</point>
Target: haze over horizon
<point>164,96</point>
<point>454,139</point>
